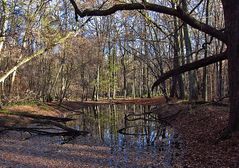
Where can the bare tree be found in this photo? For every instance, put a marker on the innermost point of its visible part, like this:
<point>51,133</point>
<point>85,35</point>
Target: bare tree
<point>229,36</point>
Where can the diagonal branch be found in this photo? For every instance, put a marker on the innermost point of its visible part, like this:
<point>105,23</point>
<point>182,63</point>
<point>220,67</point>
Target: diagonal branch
<point>40,52</point>
<point>189,67</point>
<point>34,55</point>
<point>156,8</point>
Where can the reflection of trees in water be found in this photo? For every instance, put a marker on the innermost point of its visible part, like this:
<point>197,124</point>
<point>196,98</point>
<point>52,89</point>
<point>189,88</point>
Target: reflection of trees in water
<point>107,121</point>
<point>127,127</point>
<point>145,124</point>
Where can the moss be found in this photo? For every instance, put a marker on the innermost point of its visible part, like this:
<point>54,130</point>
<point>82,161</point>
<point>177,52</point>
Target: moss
<point>7,112</point>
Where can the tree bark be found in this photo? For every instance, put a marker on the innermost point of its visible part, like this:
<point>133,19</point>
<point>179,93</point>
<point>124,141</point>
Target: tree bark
<point>190,66</point>
<point>204,84</point>
<point>231,13</point>
<point>3,26</point>
<point>176,63</point>
<point>191,74</point>
<point>152,7</point>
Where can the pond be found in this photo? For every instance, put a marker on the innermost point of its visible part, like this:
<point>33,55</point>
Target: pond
<point>128,129</point>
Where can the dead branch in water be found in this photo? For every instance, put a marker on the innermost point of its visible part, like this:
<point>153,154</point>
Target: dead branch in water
<point>41,131</point>
<point>54,126</point>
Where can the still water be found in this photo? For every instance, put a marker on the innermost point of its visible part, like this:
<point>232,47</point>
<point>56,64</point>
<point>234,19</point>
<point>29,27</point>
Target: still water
<point>127,128</point>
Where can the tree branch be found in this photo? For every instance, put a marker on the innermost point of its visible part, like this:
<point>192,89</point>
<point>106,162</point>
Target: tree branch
<point>34,55</point>
<point>156,8</point>
<point>189,67</point>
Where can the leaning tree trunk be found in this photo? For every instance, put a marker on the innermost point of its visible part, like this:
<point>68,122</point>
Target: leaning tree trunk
<point>231,12</point>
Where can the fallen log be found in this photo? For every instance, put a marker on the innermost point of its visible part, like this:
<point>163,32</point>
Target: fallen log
<point>41,131</point>
<point>57,119</point>
<point>54,128</point>
<point>56,124</point>
<point>40,117</point>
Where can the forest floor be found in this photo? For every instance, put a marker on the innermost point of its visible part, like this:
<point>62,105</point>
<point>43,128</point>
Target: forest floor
<point>199,126</point>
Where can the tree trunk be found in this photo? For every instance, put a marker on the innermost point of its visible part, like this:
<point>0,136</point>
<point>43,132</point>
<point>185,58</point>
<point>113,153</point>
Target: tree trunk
<point>176,63</point>
<point>97,89</point>
<point>114,73</point>
<point>231,13</point>
<point>146,90</point>
<point>148,86</point>
<point>191,74</point>
<point>124,76</point>
<point>204,84</point>
<point>220,80</point>
<point>134,83</point>
<point>12,83</point>
<point>140,80</point>
<point>4,24</point>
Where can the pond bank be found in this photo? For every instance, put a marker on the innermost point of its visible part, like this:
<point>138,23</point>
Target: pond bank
<point>198,126</point>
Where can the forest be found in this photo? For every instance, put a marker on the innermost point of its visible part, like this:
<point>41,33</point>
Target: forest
<point>119,83</point>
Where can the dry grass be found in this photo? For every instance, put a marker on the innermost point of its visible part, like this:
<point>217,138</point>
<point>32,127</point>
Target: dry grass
<point>34,109</point>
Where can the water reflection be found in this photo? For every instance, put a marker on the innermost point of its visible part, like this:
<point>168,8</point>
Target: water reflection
<point>125,128</point>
